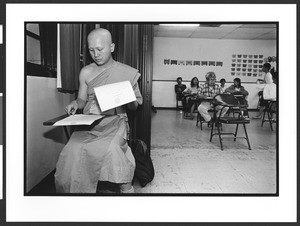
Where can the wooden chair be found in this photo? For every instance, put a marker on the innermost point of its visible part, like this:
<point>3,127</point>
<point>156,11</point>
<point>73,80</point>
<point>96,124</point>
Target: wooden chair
<point>178,107</point>
<point>225,101</point>
<point>200,120</point>
<point>270,109</point>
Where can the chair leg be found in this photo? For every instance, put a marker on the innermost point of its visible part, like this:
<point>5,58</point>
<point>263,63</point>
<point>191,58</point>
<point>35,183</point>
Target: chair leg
<point>247,138</point>
<point>270,120</point>
<point>236,131</point>
<point>263,118</point>
<point>201,120</point>
<point>211,132</point>
<point>220,138</point>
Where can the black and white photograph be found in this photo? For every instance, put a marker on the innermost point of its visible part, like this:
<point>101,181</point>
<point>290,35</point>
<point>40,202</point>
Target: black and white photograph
<point>113,111</point>
<point>192,144</point>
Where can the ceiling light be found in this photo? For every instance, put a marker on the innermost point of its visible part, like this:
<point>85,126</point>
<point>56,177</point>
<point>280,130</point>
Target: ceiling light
<point>181,25</point>
<point>231,25</point>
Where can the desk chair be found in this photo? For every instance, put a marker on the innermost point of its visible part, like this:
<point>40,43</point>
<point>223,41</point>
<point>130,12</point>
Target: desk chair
<point>177,104</point>
<point>228,100</point>
<point>179,98</point>
<point>235,110</point>
<point>270,109</point>
<point>193,102</point>
<point>201,120</point>
<point>54,120</point>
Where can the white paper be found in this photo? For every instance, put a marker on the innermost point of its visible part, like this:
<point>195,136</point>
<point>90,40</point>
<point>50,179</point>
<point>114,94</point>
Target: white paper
<point>114,95</point>
<point>78,119</point>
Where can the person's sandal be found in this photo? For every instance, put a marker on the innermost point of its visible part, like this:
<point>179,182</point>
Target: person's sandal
<point>131,190</point>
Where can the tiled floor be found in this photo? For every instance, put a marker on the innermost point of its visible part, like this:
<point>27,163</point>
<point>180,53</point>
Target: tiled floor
<point>186,162</point>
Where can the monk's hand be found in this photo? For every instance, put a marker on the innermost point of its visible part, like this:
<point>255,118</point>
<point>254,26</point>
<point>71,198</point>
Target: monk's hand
<point>72,108</point>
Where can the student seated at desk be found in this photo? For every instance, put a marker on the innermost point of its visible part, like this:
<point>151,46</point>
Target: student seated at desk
<point>238,89</point>
<point>209,89</point>
<point>190,98</point>
<point>179,88</point>
<point>223,86</point>
<point>99,153</point>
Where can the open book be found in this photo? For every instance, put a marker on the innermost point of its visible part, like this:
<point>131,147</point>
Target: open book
<point>78,119</point>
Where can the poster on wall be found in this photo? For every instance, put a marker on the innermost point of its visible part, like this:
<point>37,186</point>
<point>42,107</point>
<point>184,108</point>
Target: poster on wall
<point>175,62</point>
<point>247,65</point>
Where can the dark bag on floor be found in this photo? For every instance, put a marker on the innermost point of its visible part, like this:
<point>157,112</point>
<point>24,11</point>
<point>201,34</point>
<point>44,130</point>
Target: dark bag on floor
<point>144,170</point>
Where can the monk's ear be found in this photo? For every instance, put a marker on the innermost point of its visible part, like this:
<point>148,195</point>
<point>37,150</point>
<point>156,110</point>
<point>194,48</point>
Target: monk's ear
<point>112,47</point>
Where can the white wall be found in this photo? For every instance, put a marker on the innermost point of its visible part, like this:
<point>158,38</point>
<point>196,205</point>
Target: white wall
<point>44,143</point>
<point>164,76</point>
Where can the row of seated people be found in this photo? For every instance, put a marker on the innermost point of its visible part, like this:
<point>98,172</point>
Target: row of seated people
<point>199,95</point>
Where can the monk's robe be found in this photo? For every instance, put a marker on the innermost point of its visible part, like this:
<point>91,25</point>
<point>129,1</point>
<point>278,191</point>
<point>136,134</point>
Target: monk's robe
<point>99,152</point>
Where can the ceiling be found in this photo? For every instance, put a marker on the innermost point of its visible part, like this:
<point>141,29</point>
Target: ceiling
<point>248,31</point>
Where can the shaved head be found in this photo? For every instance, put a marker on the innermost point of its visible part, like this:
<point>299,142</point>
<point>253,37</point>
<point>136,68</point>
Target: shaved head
<point>100,46</point>
<point>100,33</point>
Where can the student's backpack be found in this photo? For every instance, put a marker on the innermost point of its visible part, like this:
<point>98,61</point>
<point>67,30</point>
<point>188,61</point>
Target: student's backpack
<point>144,170</point>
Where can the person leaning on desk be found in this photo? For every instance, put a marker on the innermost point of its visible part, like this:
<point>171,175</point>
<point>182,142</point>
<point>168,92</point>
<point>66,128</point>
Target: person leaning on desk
<point>100,153</point>
<point>240,93</point>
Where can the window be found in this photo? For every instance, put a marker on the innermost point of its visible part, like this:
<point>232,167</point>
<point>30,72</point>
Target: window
<point>41,49</point>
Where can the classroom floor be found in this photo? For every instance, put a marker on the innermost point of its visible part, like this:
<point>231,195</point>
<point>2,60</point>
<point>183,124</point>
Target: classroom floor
<point>186,162</point>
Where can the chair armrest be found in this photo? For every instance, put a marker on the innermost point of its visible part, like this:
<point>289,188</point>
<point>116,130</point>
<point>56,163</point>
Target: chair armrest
<point>54,120</point>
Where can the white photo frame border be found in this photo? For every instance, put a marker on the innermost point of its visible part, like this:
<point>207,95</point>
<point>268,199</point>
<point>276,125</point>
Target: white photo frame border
<point>20,208</point>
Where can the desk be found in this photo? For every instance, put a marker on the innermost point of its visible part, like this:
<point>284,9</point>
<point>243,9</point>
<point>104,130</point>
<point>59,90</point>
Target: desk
<point>54,120</point>
<point>242,105</point>
<point>188,102</point>
<point>241,98</point>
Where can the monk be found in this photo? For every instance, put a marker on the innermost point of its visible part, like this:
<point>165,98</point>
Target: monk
<point>99,152</point>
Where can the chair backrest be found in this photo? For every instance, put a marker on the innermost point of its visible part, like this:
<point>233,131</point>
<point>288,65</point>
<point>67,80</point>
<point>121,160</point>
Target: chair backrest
<point>225,99</point>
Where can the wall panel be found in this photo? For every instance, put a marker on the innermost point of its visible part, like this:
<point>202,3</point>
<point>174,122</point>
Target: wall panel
<point>210,50</point>
<point>44,143</point>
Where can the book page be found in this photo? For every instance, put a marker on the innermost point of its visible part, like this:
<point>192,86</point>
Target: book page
<point>114,95</point>
<point>78,119</point>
